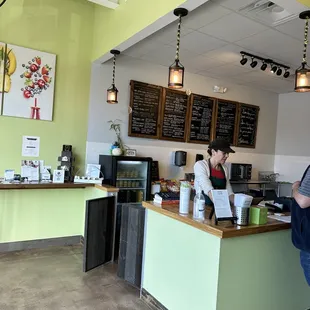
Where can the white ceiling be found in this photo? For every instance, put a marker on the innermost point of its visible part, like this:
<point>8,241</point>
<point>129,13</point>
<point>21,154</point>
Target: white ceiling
<point>213,36</point>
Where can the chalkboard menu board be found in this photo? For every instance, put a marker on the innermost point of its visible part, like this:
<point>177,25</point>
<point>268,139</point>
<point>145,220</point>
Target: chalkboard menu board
<point>174,115</point>
<point>247,125</point>
<point>201,119</point>
<point>226,120</point>
<point>145,102</point>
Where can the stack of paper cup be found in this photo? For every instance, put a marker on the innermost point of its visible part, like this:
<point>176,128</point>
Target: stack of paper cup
<point>185,194</point>
<point>243,200</point>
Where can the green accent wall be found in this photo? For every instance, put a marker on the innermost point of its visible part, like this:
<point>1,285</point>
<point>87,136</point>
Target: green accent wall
<point>44,213</point>
<point>62,27</point>
<point>77,31</point>
<point>112,27</point>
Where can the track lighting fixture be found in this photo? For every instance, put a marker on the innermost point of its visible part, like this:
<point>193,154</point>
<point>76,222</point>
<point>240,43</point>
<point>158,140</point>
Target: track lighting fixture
<point>2,2</point>
<point>264,66</point>
<point>275,67</point>
<point>176,70</point>
<point>253,63</point>
<point>279,72</point>
<point>302,75</point>
<point>244,60</point>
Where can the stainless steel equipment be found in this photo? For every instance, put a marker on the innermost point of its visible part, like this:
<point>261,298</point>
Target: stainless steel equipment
<point>243,216</point>
<point>239,172</point>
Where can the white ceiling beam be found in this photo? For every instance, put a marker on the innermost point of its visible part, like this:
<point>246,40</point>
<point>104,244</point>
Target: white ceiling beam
<point>147,31</point>
<point>106,3</point>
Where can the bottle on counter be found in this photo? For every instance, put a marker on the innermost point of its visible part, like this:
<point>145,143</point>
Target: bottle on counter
<point>185,193</point>
<point>199,206</point>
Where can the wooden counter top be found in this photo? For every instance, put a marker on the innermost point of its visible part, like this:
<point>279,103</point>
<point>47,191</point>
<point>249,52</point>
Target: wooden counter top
<point>223,229</point>
<point>19,186</point>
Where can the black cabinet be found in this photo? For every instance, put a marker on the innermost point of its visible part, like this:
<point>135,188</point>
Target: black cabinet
<point>99,232</point>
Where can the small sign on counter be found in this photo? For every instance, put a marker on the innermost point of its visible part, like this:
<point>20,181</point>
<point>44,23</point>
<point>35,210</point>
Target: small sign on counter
<point>221,203</point>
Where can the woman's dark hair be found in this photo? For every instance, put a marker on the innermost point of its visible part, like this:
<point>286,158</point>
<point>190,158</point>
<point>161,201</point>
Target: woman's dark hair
<point>210,150</point>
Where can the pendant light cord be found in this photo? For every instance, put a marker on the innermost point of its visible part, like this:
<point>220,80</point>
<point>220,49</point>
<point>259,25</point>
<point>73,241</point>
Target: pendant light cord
<point>113,75</point>
<point>177,55</point>
<point>304,60</point>
<point>2,3</point>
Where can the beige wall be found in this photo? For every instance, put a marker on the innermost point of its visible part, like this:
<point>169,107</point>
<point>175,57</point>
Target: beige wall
<point>99,136</point>
<point>293,136</point>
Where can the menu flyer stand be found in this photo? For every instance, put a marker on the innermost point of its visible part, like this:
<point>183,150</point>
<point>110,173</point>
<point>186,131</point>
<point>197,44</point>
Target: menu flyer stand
<point>221,207</point>
<point>221,219</point>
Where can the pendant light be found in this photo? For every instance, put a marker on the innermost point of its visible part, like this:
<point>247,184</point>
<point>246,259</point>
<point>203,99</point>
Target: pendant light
<point>112,90</point>
<point>176,70</point>
<point>302,75</point>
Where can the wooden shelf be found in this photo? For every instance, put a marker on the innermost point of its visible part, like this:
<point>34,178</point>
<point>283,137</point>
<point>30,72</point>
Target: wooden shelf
<point>28,186</point>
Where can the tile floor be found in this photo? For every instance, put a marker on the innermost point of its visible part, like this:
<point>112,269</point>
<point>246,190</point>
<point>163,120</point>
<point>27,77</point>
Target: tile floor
<point>53,279</point>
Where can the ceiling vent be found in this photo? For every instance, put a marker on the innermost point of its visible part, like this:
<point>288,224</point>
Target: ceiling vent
<point>111,4</point>
<point>267,12</point>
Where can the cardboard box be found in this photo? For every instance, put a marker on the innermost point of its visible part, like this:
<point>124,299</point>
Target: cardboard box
<point>258,215</point>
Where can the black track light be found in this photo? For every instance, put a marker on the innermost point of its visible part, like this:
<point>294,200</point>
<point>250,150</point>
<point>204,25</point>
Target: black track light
<point>274,69</point>
<point>264,66</point>
<point>253,63</point>
<point>243,61</point>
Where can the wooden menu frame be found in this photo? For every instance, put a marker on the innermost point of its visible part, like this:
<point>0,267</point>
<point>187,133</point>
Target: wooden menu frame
<point>236,118</point>
<point>130,133</point>
<point>188,117</point>
<point>212,127</point>
<point>163,114</point>
<point>238,125</point>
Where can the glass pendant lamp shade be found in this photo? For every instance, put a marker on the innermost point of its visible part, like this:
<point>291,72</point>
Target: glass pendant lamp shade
<point>176,75</point>
<point>112,91</point>
<point>176,70</point>
<point>112,94</point>
<point>302,80</point>
<point>302,74</point>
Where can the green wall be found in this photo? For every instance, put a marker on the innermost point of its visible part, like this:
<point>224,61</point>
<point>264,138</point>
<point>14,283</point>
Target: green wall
<point>112,27</point>
<point>77,31</point>
<point>62,27</point>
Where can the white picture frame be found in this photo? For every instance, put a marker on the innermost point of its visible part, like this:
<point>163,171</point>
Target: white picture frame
<point>30,79</point>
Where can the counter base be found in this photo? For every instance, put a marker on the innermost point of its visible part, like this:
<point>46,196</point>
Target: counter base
<point>40,243</point>
<point>151,301</point>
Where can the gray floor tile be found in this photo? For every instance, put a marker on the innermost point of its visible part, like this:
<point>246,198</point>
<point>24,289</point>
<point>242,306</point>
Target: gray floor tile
<point>52,278</point>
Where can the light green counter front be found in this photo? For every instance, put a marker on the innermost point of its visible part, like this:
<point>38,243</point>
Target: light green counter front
<point>45,211</point>
<point>187,267</point>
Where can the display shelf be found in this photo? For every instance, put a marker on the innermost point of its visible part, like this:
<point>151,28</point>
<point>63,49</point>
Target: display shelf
<point>142,188</point>
<point>131,179</point>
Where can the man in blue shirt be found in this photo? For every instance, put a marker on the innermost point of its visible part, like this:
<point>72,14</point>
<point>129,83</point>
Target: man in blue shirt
<point>301,221</point>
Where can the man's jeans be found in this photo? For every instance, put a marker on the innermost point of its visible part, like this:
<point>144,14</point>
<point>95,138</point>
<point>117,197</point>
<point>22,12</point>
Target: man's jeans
<point>305,263</point>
